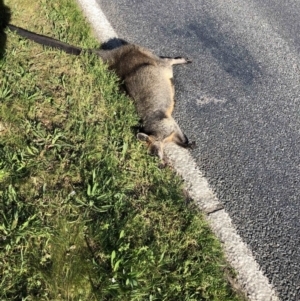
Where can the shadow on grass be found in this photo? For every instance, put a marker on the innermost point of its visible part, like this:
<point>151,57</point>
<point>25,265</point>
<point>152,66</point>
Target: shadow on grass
<point>4,19</point>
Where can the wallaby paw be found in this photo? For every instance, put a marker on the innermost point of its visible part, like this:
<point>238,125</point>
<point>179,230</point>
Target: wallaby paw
<point>192,145</point>
<point>162,165</point>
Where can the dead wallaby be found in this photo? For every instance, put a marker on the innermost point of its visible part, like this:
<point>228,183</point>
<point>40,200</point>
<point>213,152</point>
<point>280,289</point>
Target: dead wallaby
<point>148,79</point>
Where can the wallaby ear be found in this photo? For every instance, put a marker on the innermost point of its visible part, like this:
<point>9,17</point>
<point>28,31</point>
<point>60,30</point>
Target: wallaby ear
<point>143,137</point>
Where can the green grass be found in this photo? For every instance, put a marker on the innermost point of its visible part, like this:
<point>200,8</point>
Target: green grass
<point>85,213</point>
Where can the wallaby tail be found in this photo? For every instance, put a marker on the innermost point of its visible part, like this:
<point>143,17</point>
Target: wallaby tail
<point>44,40</point>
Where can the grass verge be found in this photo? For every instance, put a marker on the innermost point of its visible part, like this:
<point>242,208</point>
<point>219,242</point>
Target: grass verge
<point>85,213</point>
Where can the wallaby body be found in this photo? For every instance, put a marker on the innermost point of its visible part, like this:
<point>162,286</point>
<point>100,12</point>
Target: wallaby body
<point>148,80</point>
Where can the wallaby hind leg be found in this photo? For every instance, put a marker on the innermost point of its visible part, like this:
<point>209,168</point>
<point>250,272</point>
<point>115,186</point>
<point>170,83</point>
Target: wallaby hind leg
<point>176,60</point>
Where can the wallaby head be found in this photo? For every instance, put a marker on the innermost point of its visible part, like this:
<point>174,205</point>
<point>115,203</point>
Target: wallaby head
<point>160,133</point>
<point>148,79</point>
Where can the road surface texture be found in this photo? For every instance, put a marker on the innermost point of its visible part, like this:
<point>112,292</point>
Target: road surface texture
<point>240,102</point>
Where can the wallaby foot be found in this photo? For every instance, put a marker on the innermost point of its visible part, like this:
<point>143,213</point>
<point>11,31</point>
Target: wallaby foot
<point>181,60</point>
<point>176,60</point>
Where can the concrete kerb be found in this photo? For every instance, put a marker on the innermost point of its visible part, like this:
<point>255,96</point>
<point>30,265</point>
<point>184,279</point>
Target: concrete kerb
<point>250,278</point>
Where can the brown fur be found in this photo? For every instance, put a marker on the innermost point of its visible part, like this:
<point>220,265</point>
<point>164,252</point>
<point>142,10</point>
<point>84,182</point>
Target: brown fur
<point>148,80</point>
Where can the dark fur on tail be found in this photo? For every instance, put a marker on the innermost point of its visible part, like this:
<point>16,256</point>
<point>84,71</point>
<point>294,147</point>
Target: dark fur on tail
<point>44,40</point>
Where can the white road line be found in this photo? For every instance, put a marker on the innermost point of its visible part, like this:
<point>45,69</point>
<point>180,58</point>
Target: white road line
<point>250,278</point>
<point>102,28</point>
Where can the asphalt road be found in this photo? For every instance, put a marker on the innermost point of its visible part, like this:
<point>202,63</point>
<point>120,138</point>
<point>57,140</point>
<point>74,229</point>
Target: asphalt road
<point>240,102</point>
